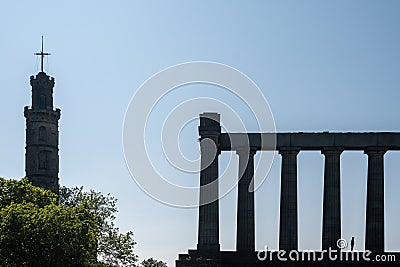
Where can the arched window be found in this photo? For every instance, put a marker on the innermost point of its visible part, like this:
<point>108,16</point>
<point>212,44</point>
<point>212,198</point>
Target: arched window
<point>42,160</point>
<point>42,134</point>
<point>42,103</point>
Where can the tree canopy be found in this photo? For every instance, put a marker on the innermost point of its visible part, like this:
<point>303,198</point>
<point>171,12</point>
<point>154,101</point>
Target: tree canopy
<point>152,263</point>
<point>113,248</point>
<point>76,228</point>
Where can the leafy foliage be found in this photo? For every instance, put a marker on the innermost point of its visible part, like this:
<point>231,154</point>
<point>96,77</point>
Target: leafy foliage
<point>153,263</point>
<point>23,192</point>
<point>114,248</point>
<point>35,230</point>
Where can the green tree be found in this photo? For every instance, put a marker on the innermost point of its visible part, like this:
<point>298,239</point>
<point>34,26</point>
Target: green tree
<point>152,263</point>
<point>23,192</point>
<point>76,228</point>
<point>113,248</point>
<point>36,231</point>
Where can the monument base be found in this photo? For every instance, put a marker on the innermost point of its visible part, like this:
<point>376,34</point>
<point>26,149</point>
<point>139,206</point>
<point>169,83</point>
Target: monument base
<point>194,258</point>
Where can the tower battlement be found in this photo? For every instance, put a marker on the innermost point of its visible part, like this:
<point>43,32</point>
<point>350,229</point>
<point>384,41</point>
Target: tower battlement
<point>47,115</point>
<point>42,80</point>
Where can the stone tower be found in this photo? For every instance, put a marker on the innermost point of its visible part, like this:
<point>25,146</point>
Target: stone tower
<point>41,156</point>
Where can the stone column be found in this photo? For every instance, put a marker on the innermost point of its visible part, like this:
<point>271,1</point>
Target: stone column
<point>245,234</point>
<point>208,232</point>
<point>375,233</point>
<point>288,239</point>
<point>331,225</point>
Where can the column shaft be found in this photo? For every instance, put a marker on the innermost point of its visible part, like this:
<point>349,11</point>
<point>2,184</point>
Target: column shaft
<point>331,225</point>
<point>375,234</point>
<point>245,211</point>
<point>288,239</point>
<point>208,231</point>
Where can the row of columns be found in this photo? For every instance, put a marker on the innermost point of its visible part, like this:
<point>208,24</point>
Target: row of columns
<point>331,226</point>
<point>208,231</point>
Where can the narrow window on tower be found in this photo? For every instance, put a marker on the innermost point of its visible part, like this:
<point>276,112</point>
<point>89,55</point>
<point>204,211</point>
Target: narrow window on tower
<point>42,160</point>
<point>42,104</point>
<point>42,134</point>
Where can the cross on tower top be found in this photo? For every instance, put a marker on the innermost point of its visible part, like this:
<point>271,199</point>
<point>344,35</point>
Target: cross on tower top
<point>42,55</point>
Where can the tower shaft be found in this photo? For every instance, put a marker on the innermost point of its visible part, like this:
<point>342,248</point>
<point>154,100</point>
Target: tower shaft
<point>41,157</point>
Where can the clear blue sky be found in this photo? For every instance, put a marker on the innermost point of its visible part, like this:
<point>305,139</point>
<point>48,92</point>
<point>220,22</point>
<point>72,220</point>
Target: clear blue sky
<point>322,65</point>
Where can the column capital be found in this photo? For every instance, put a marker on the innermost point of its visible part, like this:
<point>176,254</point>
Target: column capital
<point>289,150</point>
<point>332,150</point>
<point>371,151</point>
<point>212,136</point>
<point>246,151</point>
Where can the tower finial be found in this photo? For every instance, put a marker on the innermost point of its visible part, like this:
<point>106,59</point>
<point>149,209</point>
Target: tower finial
<point>42,55</point>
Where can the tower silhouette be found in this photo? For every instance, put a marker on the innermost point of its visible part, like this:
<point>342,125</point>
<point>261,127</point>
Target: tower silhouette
<point>41,156</point>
